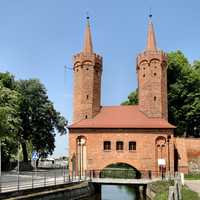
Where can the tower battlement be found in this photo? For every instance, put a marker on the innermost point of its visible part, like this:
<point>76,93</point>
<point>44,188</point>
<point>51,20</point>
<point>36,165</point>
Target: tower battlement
<point>151,55</point>
<point>83,58</point>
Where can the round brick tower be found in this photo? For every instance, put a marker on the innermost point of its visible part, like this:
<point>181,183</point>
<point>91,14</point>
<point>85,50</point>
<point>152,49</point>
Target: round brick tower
<point>152,78</point>
<point>87,80</point>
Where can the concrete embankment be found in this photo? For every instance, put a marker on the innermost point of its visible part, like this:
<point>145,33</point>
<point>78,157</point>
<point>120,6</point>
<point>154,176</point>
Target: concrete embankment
<point>72,191</point>
<point>150,193</point>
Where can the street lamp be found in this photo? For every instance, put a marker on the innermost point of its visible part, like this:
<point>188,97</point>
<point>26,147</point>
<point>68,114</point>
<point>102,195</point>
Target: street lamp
<point>0,165</point>
<point>168,151</point>
<point>18,165</point>
<point>195,131</point>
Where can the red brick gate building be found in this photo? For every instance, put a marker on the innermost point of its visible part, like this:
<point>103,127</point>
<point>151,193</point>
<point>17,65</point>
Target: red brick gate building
<point>138,135</point>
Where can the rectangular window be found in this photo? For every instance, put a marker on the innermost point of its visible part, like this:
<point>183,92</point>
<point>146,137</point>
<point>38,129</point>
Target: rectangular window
<point>119,145</point>
<point>132,146</point>
<point>107,145</point>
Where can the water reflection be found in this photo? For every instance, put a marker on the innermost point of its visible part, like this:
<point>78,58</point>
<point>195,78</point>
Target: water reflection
<point>117,192</point>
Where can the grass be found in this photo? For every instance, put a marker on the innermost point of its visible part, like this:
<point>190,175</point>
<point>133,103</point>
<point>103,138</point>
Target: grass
<point>188,194</point>
<point>192,176</point>
<point>161,189</point>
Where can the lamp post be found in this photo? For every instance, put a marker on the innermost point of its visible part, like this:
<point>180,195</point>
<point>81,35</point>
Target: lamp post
<point>195,131</point>
<point>168,142</point>
<point>161,147</point>
<point>0,165</point>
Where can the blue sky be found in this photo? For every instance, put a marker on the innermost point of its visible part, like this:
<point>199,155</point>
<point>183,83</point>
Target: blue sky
<point>39,37</point>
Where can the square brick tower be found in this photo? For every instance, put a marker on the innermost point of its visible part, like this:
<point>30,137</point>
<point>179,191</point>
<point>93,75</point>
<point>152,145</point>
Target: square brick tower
<point>87,80</point>
<point>152,78</point>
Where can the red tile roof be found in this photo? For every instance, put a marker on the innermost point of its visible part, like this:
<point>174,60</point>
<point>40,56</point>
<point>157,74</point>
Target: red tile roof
<point>121,117</point>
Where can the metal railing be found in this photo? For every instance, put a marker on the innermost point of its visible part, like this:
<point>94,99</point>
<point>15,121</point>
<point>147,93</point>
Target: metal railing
<point>175,191</point>
<point>43,178</point>
<point>34,179</point>
<point>123,174</point>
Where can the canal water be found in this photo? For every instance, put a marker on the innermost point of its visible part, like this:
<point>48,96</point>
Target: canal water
<point>117,192</point>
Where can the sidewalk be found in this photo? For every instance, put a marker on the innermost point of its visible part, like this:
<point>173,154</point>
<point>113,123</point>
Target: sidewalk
<point>193,185</point>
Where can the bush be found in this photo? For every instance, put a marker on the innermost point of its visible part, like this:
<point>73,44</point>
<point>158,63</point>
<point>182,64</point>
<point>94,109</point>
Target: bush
<point>193,176</point>
<point>161,189</point>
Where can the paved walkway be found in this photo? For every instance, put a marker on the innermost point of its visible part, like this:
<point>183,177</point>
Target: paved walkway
<point>193,185</point>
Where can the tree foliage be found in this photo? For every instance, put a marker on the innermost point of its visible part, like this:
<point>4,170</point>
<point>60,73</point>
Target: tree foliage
<point>9,106</point>
<point>10,122</point>
<point>132,98</point>
<point>27,116</point>
<point>39,118</point>
<point>183,94</point>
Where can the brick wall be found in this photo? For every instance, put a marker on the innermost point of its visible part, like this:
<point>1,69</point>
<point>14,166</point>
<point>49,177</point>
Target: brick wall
<point>193,148</point>
<point>188,149</point>
<point>143,158</point>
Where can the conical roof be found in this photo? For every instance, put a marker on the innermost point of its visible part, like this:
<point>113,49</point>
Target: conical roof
<point>87,47</point>
<point>151,39</point>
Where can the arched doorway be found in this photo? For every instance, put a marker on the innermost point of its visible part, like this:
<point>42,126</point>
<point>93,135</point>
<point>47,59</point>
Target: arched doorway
<point>120,170</point>
<point>161,154</point>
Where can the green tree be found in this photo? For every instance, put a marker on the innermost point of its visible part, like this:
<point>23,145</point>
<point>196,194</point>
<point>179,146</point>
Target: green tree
<point>183,94</point>
<point>39,118</point>
<point>132,98</point>
<point>10,122</point>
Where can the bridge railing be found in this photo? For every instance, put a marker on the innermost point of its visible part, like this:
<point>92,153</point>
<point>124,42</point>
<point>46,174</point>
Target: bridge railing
<point>123,173</point>
<point>175,191</point>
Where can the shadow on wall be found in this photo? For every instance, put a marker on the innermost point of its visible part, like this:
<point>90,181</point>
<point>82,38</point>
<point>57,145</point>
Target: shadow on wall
<point>176,158</point>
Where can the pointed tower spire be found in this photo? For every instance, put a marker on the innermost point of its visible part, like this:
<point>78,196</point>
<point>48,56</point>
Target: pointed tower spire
<point>151,39</point>
<point>87,80</point>
<point>88,48</point>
